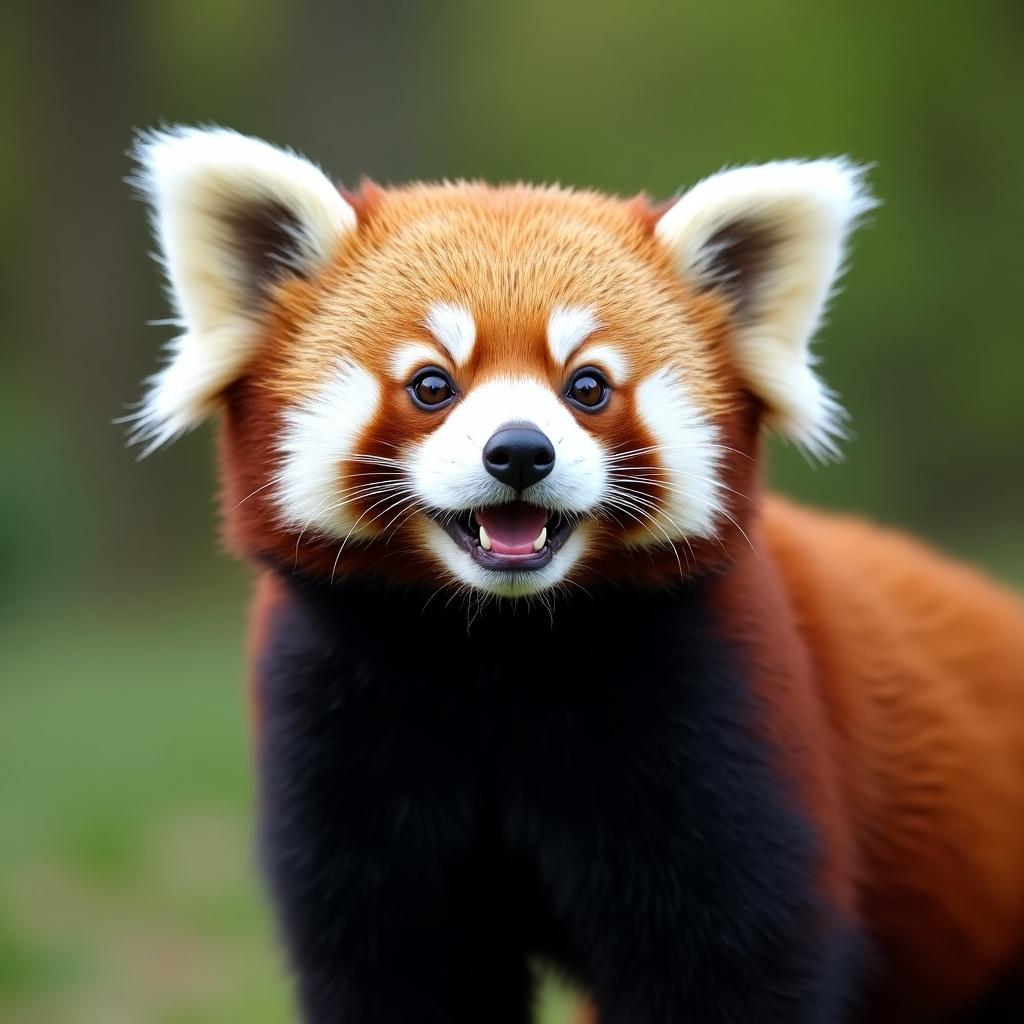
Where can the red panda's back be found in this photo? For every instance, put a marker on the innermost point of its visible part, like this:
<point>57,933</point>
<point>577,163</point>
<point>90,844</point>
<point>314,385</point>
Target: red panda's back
<point>920,663</point>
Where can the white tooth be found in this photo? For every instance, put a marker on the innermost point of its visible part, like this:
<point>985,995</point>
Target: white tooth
<point>542,539</point>
<point>485,541</point>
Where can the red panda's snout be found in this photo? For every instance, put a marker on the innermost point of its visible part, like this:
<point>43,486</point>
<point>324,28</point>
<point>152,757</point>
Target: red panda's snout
<point>502,390</point>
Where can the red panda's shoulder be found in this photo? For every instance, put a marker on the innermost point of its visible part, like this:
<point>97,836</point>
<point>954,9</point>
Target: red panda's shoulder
<point>917,664</point>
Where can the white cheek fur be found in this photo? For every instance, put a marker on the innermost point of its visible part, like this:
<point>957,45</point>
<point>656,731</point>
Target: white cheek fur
<point>447,470</point>
<point>318,436</point>
<point>688,451</point>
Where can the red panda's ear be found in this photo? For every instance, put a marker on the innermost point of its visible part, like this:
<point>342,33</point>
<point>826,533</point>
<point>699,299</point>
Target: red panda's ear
<point>231,215</point>
<point>771,238</point>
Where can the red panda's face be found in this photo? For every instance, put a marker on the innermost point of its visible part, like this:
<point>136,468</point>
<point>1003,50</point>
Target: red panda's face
<point>507,390</point>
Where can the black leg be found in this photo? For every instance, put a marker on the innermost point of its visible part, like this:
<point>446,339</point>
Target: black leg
<point>385,915</point>
<point>649,957</point>
<point>730,992</point>
<point>445,979</point>
<point>677,869</point>
<point>373,843</point>
<point>1004,1005</point>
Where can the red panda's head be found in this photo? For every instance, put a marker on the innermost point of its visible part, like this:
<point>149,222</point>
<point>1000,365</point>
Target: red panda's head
<point>507,389</point>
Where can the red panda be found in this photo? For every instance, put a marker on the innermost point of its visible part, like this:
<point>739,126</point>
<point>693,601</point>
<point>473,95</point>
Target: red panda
<point>539,669</point>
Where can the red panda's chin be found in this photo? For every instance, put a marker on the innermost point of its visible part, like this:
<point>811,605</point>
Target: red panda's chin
<point>453,555</point>
<point>514,537</point>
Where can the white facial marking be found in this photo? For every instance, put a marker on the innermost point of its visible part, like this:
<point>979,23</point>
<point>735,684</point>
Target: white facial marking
<point>412,357</point>
<point>447,472</point>
<point>608,358</point>
<point>318,436</point>
<point>568,328</point>
<point>688,451</point>
<point>454,328</point>
<point>447,467</point>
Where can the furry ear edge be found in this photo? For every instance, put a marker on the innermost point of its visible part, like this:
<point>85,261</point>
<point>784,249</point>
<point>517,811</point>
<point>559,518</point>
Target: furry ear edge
<point>231,214</point>
<point>772,239</point>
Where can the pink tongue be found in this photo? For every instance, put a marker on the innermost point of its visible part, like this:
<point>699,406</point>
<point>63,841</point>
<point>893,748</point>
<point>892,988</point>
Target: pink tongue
<point>512,528</point>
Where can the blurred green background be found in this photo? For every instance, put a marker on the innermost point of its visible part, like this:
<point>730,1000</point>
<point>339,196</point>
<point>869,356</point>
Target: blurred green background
<point>127,886</point>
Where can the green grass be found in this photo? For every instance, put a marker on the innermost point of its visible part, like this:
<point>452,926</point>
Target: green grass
<point>128,889</point>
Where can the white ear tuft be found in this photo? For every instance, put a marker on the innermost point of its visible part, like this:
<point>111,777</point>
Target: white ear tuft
<point>231,215</point>
<point>772,238</point>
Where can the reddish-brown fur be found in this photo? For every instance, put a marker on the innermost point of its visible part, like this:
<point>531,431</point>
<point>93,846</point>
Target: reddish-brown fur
<point>893,685</point>
<point>892,681</point>
<point>919,666</point>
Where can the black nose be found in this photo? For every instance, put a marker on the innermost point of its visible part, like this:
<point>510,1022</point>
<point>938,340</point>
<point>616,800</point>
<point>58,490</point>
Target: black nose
<point>519,456</point>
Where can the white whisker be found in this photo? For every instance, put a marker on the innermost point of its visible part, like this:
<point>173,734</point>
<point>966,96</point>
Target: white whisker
<point>263,487</point>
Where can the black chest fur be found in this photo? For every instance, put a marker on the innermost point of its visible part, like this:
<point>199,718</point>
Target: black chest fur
<point>443,799</point>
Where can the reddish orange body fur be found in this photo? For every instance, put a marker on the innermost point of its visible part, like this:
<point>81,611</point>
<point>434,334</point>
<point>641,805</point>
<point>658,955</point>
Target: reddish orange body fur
<point>893,685</point>
<point>919,666</point>
<point>892,680</point>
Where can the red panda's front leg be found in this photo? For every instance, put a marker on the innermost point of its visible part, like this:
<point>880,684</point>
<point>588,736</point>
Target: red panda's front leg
<point>369,836</point>
<point>680,817</point>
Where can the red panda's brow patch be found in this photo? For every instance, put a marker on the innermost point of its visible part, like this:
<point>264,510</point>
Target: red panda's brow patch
<point>454,328</point>
<point>568,328</point>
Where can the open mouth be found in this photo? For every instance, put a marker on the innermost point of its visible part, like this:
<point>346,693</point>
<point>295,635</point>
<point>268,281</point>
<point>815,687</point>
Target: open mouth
<point>513,536</point>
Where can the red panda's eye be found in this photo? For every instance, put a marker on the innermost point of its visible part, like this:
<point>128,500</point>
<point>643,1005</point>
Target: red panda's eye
<point>431,389</point>
<point>589,390</point>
